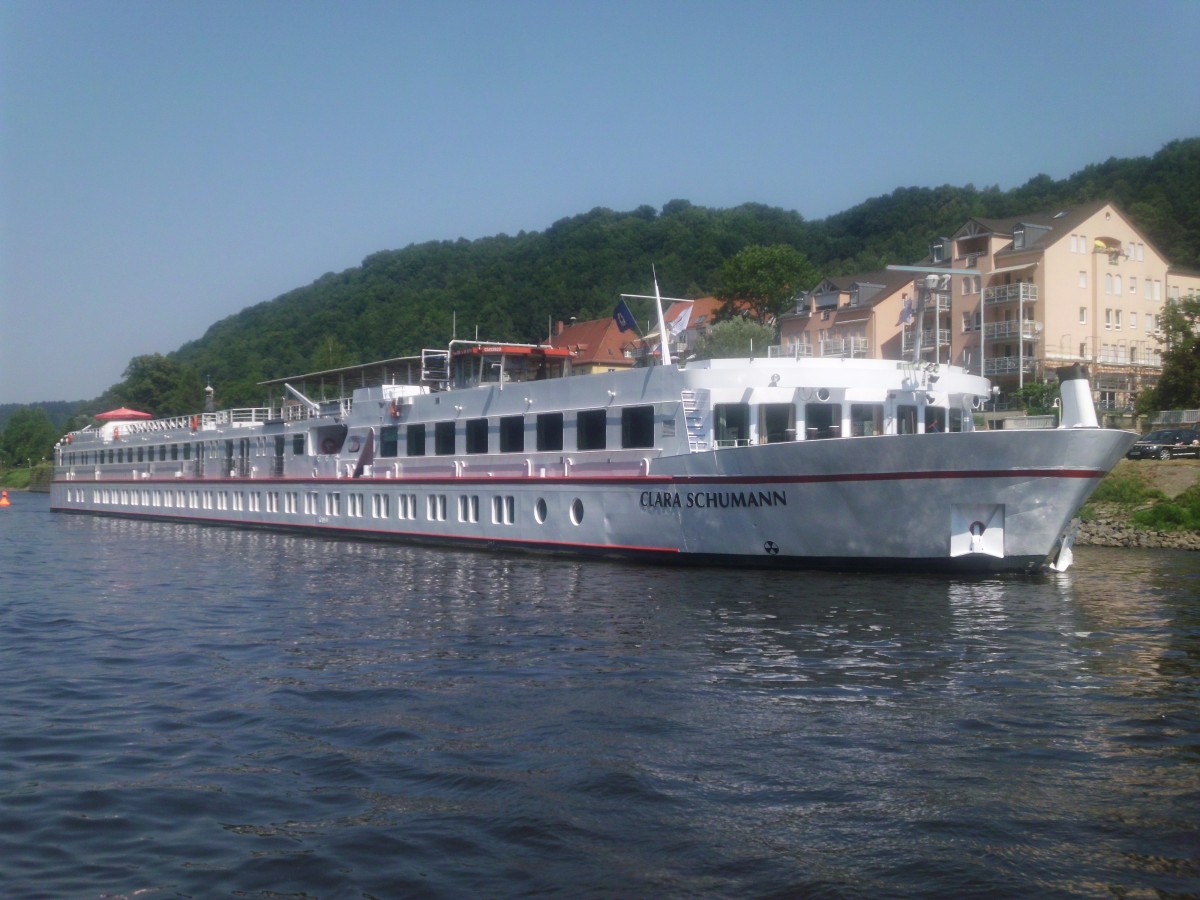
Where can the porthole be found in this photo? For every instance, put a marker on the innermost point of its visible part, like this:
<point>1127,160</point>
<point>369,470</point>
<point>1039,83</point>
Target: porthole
<point>576,511</point>
<point>539,511</point>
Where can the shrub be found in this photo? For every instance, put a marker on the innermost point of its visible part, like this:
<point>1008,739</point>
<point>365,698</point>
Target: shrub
<point>1125,488</point>
<point>1180,514</point>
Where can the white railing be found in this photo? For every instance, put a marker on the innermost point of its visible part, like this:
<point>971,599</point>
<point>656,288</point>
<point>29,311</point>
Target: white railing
<point>1120,356</point>
<point>909,340</point>
<point>844,347</point>
<point>1006,365</point>
<point>793,351</point>
<point>1175,417</point>
<point>1028,330</point>
<point>1011,293</point>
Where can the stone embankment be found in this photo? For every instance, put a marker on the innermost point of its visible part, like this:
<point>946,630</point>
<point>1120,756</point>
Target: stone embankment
<point>1110,525</point>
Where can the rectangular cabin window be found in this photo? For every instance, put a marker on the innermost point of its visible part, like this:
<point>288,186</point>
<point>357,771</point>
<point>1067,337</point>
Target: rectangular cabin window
<point>414,440</point>
<point>187,451</point>
<point>477,436</point>
<point>162,452</point>
<point>776,422</point>
<point>956,419</point>
<point>297,445</point>
<point>590,429</point>
<point>822,420</point>
<point>443,438</point>
<point>512,434</point>
<point>141,454</point>
<point>550,431</point>
<point>935,419</point>
<point>732,424</point>
<point>637,426</point>
<point>866,419</point>
<point>389,441</point>
<point>906,420</point>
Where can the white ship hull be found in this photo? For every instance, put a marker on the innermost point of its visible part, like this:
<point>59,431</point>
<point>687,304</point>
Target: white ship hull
<point>970,501</point>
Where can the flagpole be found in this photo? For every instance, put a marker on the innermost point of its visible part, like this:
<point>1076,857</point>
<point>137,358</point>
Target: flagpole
<point>662,324</point>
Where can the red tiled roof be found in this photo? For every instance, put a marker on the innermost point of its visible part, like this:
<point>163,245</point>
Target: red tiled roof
<point>597,341</point>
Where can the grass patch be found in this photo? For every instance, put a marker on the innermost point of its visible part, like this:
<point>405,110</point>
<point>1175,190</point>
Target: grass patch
<point>1179,514</point>
<point>15,479</point>
<point>1127,488</point>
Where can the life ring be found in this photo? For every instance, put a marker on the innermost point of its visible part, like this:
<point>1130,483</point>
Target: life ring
<point>354,445</point>
<point>329,445</point>
<point>70,438</point>
<point>394,409</point>
<point>195,423</point>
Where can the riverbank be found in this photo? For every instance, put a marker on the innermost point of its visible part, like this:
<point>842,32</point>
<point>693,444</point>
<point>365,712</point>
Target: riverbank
<point>1108,522</point>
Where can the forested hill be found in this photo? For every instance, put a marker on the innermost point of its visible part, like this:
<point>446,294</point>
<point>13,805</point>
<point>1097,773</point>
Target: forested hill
<point>513,287</point>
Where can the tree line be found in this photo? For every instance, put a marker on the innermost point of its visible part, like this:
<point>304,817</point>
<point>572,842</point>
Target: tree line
<point>517,286</point>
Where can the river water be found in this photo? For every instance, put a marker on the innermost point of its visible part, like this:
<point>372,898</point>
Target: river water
<point>205,712</point>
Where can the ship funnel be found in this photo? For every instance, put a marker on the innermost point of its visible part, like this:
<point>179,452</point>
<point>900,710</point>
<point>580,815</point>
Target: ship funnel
<point>1078,411</point>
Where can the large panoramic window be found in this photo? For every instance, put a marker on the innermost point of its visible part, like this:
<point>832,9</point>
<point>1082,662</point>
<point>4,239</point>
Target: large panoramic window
<point>550,431</point>
<point>590,428</point>
<point>731,424</point>
<point>866,419</point>
<point>776,422</point>
<point>414,440</point>
<point>477,436</point>
<point>512,434</point>
<point>443,438</point>
<point>637,426</point>
<point>389,440</point>
<point>822,420</point>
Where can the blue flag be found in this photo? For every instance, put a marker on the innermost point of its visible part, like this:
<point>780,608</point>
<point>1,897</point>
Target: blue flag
<point>623,317</point>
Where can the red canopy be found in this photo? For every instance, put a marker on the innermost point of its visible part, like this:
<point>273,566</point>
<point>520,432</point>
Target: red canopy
<point>122,413</point>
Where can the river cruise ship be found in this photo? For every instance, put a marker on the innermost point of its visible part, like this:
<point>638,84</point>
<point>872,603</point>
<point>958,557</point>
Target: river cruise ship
<point>770,462</point>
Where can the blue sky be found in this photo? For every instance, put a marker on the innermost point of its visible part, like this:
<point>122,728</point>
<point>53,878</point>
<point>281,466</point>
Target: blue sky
<point>165,164</point>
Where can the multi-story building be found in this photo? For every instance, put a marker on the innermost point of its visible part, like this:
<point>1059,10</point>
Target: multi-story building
<point>861,316</point>
<point>1011,299</point>
<point>1039,291</point>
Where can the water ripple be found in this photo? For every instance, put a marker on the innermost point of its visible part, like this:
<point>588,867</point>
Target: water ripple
<point>202,712</point>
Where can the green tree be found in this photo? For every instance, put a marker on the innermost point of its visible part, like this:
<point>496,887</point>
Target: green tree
<point>29,435</point>
<point>161,386</point>
<point>1179,385</point>
<point>1037,397</point>
<point>737,338</point>
<point>331,354</point>
<point>764,281</point>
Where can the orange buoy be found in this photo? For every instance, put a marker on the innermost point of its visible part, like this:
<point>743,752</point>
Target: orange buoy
<point>4,499</point>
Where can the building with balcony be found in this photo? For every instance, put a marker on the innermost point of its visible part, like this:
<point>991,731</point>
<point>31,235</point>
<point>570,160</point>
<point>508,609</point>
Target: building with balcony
<point>1039,291</point>
<point>858,316</point>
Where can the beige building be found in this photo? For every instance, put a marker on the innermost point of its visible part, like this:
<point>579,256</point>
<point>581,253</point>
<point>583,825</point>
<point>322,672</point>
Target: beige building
<point>1019,298</point>
<point>851,316</point>
<point>1040,291</point>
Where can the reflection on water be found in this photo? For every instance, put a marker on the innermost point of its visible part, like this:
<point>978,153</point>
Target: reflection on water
<point>200,711</point>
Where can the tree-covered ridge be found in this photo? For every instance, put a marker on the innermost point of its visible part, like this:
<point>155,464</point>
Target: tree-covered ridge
<point>399,301</point>
<point>515,287</point>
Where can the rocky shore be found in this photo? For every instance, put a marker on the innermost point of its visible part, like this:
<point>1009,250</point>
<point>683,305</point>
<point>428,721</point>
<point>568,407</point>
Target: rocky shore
<point>1109,525</point>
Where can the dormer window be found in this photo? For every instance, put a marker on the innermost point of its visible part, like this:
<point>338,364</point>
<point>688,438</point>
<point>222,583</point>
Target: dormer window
<point>937,250</point>
<point>1019,237</point>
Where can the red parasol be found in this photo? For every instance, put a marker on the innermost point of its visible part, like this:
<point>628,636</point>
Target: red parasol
<point>122,414</point>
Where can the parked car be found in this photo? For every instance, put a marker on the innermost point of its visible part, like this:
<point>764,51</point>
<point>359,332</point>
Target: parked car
<point>1167,443</point>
